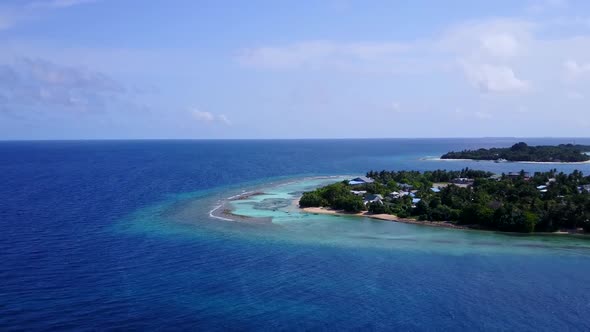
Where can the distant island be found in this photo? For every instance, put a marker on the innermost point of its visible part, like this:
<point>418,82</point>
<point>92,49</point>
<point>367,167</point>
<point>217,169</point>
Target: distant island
<point>522,152</point>
<point>513,202</point>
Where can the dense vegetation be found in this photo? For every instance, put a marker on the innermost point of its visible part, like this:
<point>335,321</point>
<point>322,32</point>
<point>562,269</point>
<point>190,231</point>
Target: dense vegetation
<point>522,152</point>
<point>336,196</point>
<point>506,203</point>
<point>423,180</point>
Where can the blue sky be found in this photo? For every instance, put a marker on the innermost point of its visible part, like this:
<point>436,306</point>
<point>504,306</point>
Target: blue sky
<point>90,69</point>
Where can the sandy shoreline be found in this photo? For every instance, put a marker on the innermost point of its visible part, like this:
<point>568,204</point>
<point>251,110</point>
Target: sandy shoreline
<point>387,217</point>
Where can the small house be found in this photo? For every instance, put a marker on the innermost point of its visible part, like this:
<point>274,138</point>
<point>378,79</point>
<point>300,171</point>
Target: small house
<point>462,181</point>
<point>360,180</point>
<point>514,175</point>
<point>374,198</point>
<point>496,177</point>
<point>405,186</point>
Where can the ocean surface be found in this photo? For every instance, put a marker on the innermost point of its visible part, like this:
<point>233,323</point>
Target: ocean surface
<point>117,235</point>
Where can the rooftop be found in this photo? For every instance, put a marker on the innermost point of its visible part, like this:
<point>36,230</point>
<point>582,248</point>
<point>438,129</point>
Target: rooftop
<point>360,180</point>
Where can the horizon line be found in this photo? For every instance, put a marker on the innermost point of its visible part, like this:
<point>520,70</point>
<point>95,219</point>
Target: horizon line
<point>287,139</point>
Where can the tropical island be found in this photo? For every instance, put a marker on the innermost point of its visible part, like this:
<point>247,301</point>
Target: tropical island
<point>513,202</point>
<point>522,152</point>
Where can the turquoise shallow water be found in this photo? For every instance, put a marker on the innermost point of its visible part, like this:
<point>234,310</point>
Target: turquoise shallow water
<point>292,225</point>
<point>117,235</point>
<point>358,264</point>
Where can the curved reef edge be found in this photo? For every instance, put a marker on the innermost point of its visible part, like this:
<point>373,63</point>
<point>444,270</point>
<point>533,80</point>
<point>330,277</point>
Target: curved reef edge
<point>225,211</point>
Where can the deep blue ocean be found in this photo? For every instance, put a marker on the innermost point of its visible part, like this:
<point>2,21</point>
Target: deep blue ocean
<point>115,235</point>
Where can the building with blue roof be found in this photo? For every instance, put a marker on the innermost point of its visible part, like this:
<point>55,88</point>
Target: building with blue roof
<point>360,180</point>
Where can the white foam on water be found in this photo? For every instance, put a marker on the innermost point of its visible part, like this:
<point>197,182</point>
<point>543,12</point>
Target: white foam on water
<point>218,217</point>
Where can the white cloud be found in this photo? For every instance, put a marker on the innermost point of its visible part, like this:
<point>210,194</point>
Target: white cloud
<point>488,44</point>
<point>494,78</point>
<point>500,44</point>
<point>203,116</point>
<point>497,38</point>
<point>224,119</point>
<point>316,54</point>
<point>510,61</point>
<point>210,118</point>
<point>28,83</point>
<point>488,51</point>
